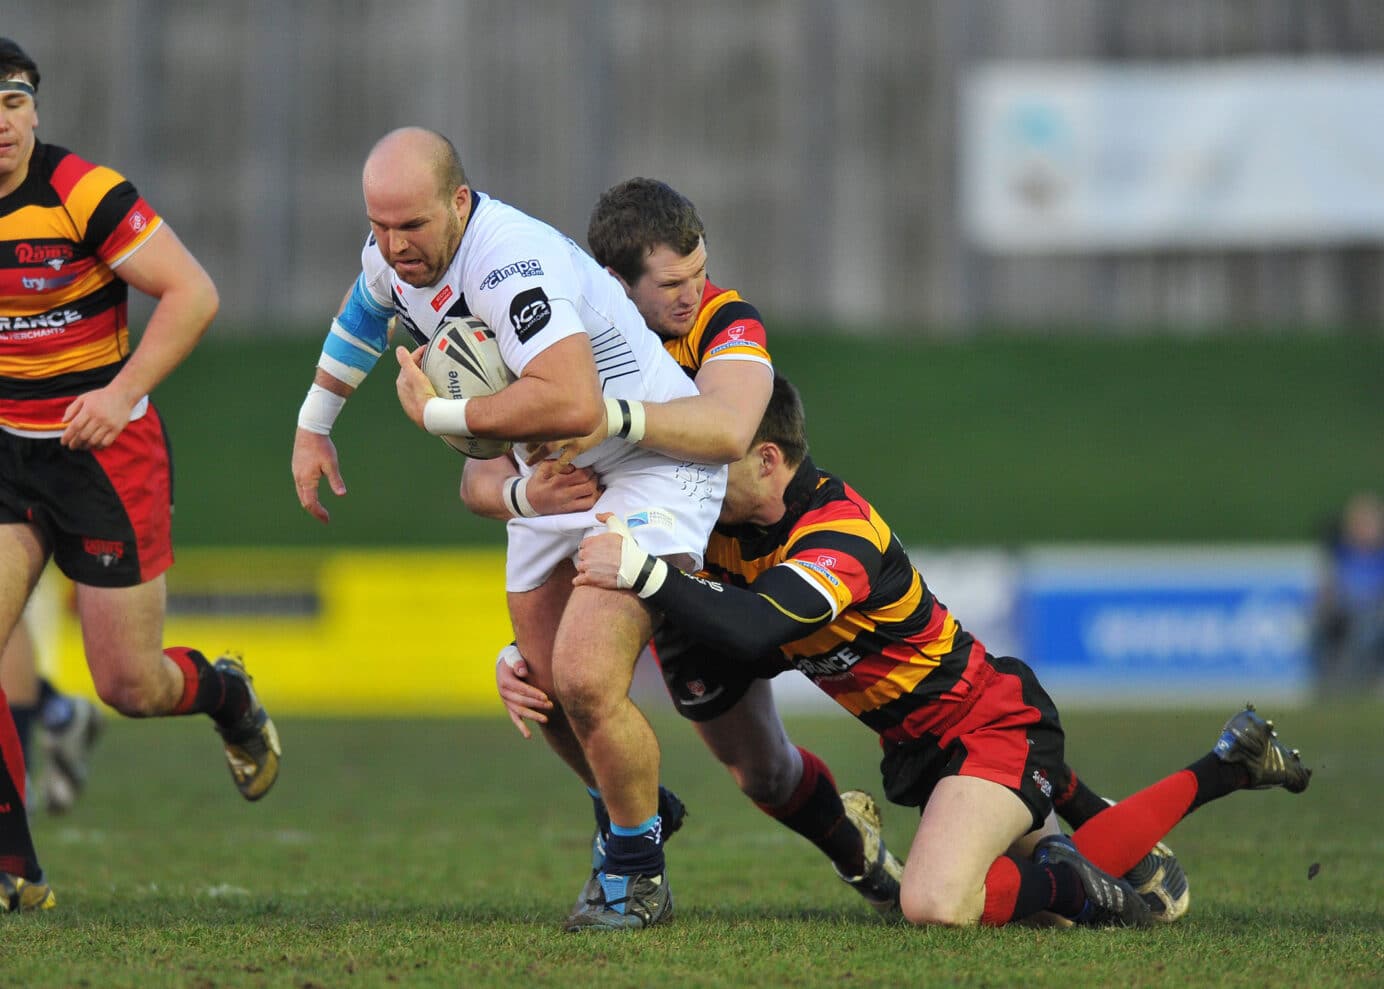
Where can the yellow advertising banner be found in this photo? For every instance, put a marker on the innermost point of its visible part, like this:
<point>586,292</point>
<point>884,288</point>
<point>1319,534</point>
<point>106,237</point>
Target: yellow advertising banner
<point>358,632</point>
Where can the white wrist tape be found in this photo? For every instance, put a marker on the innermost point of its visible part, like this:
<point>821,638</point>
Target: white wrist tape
<point>639,572</point>
<point>320,410</point>
<point>625,419</point>
<point>517,498</point>
<point>446,417</point>
<point>510,656</point>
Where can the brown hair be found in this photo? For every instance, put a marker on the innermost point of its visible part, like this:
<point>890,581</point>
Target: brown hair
<point>634,218</point>
<point>784,423</point>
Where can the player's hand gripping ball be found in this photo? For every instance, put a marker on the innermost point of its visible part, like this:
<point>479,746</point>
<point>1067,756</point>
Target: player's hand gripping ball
<point>463,361</point>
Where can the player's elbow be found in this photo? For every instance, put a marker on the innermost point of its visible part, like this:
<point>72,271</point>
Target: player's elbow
<point>579,416</point>
<point>729,445</point>
<point>203,301</point>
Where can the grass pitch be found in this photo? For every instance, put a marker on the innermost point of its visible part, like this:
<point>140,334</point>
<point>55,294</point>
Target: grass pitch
<point>439,853</point>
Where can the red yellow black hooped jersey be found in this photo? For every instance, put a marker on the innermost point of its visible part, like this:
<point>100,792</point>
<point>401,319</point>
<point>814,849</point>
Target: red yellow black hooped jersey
<point>727,329</point>
<point>63,311</point>
<point>891,651</point>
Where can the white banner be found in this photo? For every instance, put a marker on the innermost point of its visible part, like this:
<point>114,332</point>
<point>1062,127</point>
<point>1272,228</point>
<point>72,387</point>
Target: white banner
<point>1260,152</point>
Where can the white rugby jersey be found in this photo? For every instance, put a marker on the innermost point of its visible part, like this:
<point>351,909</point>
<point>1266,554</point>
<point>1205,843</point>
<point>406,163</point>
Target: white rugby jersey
<point>533,286</point>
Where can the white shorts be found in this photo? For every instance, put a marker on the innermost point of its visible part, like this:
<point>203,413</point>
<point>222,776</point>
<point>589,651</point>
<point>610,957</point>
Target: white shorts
<point>670,507</point>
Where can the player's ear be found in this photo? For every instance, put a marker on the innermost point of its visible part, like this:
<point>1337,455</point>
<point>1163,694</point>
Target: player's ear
<point>461,202</point>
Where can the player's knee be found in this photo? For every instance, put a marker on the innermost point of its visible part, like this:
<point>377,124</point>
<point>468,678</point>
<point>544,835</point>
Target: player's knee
<point>767,781</point>
<point>130,693</point>
<point>586,702</point>
<point>927,907</point>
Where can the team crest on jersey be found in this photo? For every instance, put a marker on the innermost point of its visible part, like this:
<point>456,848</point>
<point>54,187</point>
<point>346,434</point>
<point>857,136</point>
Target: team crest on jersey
<point>697,688</point>
<point>530,312</point>
<point>53,255</point>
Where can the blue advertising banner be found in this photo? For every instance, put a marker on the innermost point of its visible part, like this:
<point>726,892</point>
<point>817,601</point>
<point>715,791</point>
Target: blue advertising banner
<point>1164,624</point>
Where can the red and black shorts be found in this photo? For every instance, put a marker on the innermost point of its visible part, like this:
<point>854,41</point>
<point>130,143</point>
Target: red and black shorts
<point>702,684</point>
<point>106,514</point>
<point>1006,730</point>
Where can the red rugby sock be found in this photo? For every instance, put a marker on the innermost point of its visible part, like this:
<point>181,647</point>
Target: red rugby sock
<point>815,811</point>
<point>206,690</point>
<point>1018,888</point>
<point>17,856</point>
<point>1116,839</point>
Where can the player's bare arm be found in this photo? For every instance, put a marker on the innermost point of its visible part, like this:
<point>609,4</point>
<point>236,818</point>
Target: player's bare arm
<point>314,453</point>
<point>315,457</point>
<point>715,426</point>
<point>187,301</point>
<point>494,489</point>
<point>558,394</point>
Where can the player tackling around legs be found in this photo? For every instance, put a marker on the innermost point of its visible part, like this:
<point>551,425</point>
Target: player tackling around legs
<point>802,567</point>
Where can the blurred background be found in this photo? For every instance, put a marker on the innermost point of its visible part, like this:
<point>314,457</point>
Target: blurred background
<point>1086,295</point>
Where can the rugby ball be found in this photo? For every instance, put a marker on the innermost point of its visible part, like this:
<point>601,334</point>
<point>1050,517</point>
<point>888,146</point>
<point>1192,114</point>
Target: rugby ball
<point>463,361</point>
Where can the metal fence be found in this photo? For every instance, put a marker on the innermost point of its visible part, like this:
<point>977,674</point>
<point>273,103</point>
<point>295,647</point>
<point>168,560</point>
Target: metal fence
<point>817,137</point>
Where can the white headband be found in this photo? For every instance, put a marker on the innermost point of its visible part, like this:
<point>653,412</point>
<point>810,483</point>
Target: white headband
<point>17,86</point>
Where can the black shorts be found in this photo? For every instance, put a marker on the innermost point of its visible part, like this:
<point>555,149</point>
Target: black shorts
<point>704,685</point>
<point>106,515</point>
<point>1009,734</point>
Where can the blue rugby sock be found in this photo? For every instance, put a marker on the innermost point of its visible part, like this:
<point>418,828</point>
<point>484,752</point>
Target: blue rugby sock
<point>636,851</point>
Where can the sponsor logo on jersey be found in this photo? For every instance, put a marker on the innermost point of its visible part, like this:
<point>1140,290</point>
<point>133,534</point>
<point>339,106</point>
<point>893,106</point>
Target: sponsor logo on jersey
<point>736,332</point>
<point>833,664</point>
<point>53,255</point>
<point>655,517</point>
<point>530,312</point>
<point>697,688</point>
<point>46,284</point>
<point>53,320</point>
<point>827,561</point>
<point>108,551</point>
<point>138,221</point>
<point>440,299</point>
<point>819,570</point>
<point>524,269</point>
<point>1040,778</point>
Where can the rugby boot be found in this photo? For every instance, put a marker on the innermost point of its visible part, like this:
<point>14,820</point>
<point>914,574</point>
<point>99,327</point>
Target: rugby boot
<point>625,903</point>
<point>66,754</point>
<point>671,810</point>
<point>1110,902</point>
<point>879,883</point>
<point>1159,879</point>
<point>18,894</point>
<point>252,743</point>
<point>1252,742</point>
